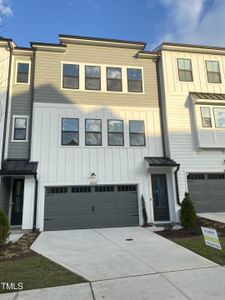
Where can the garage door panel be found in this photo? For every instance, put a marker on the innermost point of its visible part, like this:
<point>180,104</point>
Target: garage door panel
<point>91,209</point>
<point>208,195</point>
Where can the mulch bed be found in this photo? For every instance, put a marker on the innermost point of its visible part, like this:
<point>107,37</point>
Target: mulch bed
<point>19,249</point>
<point>179,233</point>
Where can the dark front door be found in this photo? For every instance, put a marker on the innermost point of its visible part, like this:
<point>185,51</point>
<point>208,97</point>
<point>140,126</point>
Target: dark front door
<point>160,197</point>
<point>17,202</point>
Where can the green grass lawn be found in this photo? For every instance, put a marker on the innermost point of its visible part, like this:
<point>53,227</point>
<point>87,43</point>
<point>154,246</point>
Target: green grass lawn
<point>36,272</point>
<point>197,245</point>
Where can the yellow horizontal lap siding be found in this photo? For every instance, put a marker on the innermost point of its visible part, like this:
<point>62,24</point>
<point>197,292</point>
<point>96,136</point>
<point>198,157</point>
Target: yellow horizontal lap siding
<point>48,76</point>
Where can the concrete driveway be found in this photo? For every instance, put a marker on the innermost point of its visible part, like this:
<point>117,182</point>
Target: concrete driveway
<point>218,217</point>
<point>133,263</point>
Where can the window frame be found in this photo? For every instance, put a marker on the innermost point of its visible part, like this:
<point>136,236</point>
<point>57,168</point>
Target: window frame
<point>62,75</point>
<point>62,131</point>
<point>113,132</point>
<point>99,78</point>
<point>29,71</point>
<point>92,145</point>
<point>114,79</point>
<point>191,70</point>
<point>207,72</point>
<point>211,119</point>
<point>142,88</point>
<point>214,117</point>
<point>13,128</point>
<point>130,133</point>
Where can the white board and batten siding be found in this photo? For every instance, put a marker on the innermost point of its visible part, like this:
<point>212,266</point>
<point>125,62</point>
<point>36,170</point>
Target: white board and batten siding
<point>73,165</point>
<point>183,141</point>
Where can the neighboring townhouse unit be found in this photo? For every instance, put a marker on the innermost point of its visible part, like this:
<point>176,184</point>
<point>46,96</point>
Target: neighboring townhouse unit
<point>5,59</point>
<point>192,82</point>
<point>83,139</point>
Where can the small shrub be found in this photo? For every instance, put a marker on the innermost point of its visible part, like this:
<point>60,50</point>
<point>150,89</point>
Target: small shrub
<point>188,215</point>
<point>4,228</point>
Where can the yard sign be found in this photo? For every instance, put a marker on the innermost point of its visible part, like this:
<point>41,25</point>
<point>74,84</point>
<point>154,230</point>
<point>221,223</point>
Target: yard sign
<point>211,238</point>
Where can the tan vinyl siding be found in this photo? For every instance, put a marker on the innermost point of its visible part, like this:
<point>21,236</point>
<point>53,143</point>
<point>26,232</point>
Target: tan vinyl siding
<point>21,105</point>
<point>48,76</point>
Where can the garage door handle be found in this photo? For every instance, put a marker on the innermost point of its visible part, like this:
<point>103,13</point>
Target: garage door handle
<point>93,209</point>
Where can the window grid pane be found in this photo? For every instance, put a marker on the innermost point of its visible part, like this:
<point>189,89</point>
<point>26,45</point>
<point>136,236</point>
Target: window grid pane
<point>184,69</point>
<point>114,79</point>
<point>93,132</point>
<point>213,71</point>
<point>22,72</point>
<point>70,132</point>
<point>115,133</point>
<point>219,116</point>
<point>137,133</point>
<point>92,78</point>
<point>134,77</point>
<point>206,117</point>
<point>70,76</point>
<point>20,129</point>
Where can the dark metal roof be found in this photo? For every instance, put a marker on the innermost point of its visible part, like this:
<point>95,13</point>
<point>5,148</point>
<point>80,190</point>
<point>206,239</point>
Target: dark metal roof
<point>18,167</point>
<point>208,96</point>
<point>161,162</point>
<point>47,44</point>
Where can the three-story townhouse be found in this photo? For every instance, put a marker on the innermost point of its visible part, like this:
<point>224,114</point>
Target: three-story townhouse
<point>84,143</point>
<point>192,80</point>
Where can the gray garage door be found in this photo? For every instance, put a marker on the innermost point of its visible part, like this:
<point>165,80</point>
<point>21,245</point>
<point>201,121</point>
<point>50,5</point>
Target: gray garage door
<point>207,191</point>
<point>90,207</point>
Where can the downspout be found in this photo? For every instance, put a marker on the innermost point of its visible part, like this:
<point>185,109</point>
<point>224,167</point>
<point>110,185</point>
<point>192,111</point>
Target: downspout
<point>35,204</point>
<point>176,184</point>
<point>160,107</point>
<point>163,132</point>
<point>30,137</point>
<point>7,103</point>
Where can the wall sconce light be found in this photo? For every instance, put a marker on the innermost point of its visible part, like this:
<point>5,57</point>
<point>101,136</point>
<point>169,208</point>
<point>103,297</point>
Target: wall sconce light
<point>93,178</point>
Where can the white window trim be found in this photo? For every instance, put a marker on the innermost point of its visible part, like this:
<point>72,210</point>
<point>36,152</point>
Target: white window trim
<point>177,70</point>
<point>103,78</point>
<point>13,128</point>
<point>29,71</point>
<point>206,71</point>
<point>199,117</point>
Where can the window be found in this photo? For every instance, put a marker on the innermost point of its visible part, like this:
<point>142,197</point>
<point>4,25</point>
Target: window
<point>114,79</point>
<point>137,133</point>
<point>206,117</point>
<point>93,132</point>
<point>134,78</point>
<point>115,133</point>
<point>184,69</point>
<point>219,116</point>
<point>70,76</point>
<point>213,71</point>
<point>92,78</point>
<point>22,73</point>
<point>70,132</point>
<point>20,129</point>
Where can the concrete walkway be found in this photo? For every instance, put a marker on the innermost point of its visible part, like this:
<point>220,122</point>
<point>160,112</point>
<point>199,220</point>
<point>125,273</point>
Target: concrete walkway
<point>133,263</point>
<point>219,217</point>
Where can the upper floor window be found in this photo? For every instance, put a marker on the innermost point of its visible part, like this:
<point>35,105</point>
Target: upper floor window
<point>92,78</point>
<point>184,69</point>
<point>219,116</point>
<point>213,71</point>
<point>22,73</point>
<point>206,117</point>
<point>115,133</point>
<point>20,128</point>
<point>70,76</point>
<point>93,132</point>
<point>114,79</point>
<point>137,133</point>
<point>70,132</point>
<point>134,78</point>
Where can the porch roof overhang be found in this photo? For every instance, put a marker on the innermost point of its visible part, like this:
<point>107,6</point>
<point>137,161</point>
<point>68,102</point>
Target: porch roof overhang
<point>11,167</point>
<point>161,162</point>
